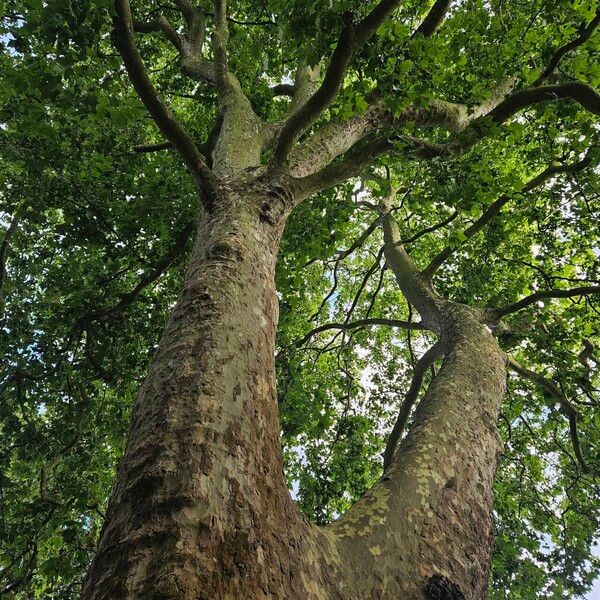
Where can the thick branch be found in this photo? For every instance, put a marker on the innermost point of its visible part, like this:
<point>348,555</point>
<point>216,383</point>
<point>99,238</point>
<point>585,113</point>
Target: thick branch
<point>157,147</point>
<point>433,19</point>
<point>169,126</point>
<point>435,352</point>
<point>334,139</point>
<point>363,154</point>
<point>546,294</point>
<point>415,288</point>
<point>351,40</point>
<point>500,106</point>
<point>568,408</point>
<point>284,89</point>
<point>220,36</point>
<point>473,122</point>
<point>188,9</point>
<point>160,23</point>
<point>359,323</point>
<point>206,148</point>
<point>571,90</point>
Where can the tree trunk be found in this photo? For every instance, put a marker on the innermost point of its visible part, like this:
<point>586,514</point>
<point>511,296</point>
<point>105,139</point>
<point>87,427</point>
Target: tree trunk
<point>200,509</point>
<point>425,530</point>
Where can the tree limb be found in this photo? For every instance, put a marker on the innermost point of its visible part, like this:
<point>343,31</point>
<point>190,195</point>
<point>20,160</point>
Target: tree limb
<point>359,241</point>
<point>430,229</point>
<point>435,352</point>
<point>170,127</point>
<point>584,36</point>
<point>546,294</point>
<point>172,255</point>
<point>359,323</point>
<point>568,407</point>
<point>143,148</point>
<point>206,148</point>
<point>160,23</point>
<point>570,90</point>
<point>362,155</point>
<point>335,138</point>
<point>434,18</point>
<point>494,209</point>
<point>352,39</point>
<point>220,36</point>
<point>415,288</point>
<point>284,89</point>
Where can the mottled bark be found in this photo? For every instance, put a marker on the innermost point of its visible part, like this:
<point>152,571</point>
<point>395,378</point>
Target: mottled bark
<point>425,530</point>
<point>200,508</point>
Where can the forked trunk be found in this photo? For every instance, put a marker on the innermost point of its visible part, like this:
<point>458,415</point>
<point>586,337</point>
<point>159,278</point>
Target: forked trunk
<point>200,509</point>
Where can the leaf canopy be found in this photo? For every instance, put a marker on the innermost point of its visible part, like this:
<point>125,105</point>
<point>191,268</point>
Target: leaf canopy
<point>96,237</point>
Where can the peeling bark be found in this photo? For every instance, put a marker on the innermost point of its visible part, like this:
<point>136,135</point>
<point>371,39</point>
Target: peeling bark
<point>200,508</point>
<point>425,529</point>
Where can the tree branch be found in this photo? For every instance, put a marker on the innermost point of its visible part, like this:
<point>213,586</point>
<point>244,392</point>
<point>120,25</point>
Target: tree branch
<point>359,323</point>
<point>170,127</point>
<point>435,352</point>
<point>157,147</point>
<point>433,19</point>
<point>172,255</point>
<point>494,209</point>
<point>188,9</point>
<point>570,90</point>
<point>568,408</point>
<point>206,148</point>
<point>430,229</point>
<point>220,36</point>
<point>160,23</point>
<point>333,140</point>
<point>359,241</point>
<point>362,155</point>
<point>584,36</point>
<point>284,89</point>
<point>415,288</point>
<point>338,137</point>
<point>543,295</point>
<point>352,39</point>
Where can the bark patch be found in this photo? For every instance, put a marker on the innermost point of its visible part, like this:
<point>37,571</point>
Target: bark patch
<point>441,588</point>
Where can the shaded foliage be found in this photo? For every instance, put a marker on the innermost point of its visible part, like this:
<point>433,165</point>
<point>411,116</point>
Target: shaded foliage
<point>92,219</point>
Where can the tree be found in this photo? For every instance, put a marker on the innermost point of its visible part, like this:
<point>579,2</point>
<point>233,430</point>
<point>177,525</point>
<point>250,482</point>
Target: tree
<point>424,158</point>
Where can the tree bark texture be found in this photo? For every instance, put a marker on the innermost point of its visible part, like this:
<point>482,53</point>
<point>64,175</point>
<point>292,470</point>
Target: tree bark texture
<point>200,509</point>
<point>425,529</point>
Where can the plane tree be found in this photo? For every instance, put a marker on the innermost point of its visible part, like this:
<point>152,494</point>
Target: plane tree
<point>312,235</point>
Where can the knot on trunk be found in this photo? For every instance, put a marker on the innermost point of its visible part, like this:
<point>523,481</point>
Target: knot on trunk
<point>439,587</point>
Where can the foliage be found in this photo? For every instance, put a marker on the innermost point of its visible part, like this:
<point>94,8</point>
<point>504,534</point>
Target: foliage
<point>92,222</point>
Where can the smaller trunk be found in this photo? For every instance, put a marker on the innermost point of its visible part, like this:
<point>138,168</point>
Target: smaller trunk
<point>425,530</point>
